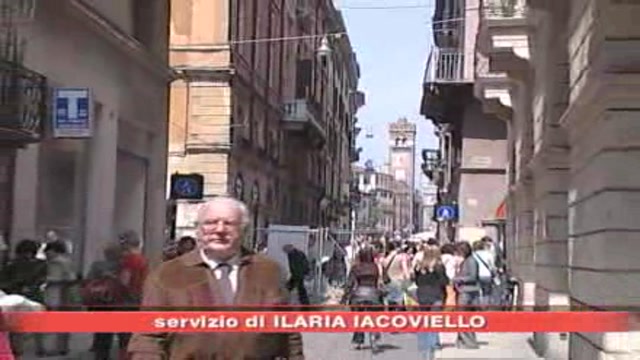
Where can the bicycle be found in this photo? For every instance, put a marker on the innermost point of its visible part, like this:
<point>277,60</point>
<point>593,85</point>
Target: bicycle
<point>374,337</point>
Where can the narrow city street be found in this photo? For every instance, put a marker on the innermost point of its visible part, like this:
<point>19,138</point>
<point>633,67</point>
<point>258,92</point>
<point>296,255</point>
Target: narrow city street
<point>440,153</point>
<point>397,346</point>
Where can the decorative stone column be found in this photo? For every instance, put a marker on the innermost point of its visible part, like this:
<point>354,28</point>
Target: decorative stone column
<point>604,133</point>
<point>25,188</point>
<point>520,74</point>
<point>503,39</point>
<point>101,183</point>
<point>524,244</point>
<point>550,168</point>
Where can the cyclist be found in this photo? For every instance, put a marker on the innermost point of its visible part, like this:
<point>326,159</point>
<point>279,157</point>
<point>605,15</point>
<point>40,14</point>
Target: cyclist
<point>362,291</point>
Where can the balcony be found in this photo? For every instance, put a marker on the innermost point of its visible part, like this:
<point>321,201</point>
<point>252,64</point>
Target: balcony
<point>493,89</point>
<point>446,83</point>
<point>504,11</point>
<point>23,104</point>
<point>304,116</point>
<point>445,66</point>
<point>503,35</point>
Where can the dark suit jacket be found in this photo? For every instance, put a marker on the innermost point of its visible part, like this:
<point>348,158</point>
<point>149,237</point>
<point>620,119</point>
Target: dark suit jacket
<point>298,264</point>
<point>187,283</point>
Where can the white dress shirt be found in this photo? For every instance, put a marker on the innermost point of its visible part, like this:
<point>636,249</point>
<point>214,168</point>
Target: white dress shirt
<point>233,273</point>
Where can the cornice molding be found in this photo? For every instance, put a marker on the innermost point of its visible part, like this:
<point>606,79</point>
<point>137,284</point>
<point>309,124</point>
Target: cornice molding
<point>599,92</point>
<point>127,45</point>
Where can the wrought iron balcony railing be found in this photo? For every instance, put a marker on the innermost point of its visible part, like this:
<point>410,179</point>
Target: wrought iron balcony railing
<point>12,11</point>
<point>504,9</point>
<point>303,114</point>
<point>23,103</point>
<point>445,66</point>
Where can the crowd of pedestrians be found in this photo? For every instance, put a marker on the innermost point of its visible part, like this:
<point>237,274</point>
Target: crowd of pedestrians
<point>44,273</point>
<point>214,269</point>
<point>461,276</point>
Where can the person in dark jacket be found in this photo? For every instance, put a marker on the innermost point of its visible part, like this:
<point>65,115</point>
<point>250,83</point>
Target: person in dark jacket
<point>298,269</point>
<point>110,298</point>
<point>363,288</point>
<point>26,276</point>
<point>468,290</point>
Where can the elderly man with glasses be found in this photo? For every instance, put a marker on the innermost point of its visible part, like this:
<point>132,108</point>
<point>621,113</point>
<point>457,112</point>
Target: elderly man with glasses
<point>219,272</point>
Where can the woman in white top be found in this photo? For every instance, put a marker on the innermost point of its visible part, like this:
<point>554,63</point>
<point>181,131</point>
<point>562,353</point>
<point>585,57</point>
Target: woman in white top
<point>451,262</point>
<point>59,290</point>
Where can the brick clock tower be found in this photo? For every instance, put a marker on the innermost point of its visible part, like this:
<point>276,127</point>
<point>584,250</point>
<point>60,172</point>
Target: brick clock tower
<point>402,152</point>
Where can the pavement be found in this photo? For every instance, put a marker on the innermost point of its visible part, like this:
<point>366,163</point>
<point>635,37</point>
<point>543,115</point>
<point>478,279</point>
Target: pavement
<point>396,346</point>
<point>321,346</point>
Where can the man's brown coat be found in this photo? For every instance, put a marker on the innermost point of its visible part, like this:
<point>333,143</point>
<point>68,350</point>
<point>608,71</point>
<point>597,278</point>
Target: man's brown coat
<point>187,283</point>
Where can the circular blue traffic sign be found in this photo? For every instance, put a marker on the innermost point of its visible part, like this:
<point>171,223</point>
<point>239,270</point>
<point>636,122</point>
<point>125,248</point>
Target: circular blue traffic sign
<point>445,212</point>
<point>186,187</point>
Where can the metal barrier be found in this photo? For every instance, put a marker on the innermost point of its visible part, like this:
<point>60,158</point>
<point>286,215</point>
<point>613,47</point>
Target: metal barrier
<point>322,243</point>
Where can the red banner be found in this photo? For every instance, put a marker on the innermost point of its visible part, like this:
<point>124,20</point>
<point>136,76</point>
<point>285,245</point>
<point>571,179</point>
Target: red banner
<point>167,321</point>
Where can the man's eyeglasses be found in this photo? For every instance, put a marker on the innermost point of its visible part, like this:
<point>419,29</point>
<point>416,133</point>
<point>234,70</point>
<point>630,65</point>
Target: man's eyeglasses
<point>225,223</point>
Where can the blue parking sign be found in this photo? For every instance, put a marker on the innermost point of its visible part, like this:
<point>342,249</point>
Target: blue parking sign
<point>72,116</point>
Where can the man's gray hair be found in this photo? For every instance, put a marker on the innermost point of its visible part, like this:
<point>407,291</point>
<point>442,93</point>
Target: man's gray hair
<point>245,217</point>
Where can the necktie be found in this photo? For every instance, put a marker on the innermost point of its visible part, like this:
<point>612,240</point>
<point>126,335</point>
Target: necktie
<point>224,283</point>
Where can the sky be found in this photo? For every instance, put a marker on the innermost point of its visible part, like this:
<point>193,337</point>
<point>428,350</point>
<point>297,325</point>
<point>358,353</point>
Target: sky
<point>392,46</point>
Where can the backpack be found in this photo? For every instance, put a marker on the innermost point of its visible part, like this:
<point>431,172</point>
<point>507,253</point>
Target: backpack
<point>103,291</point>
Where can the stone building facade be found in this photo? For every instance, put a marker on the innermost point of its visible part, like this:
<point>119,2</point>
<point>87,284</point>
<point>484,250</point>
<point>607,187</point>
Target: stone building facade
<point>111,179</point>
<point>472,169</point>
<point>266,121</point>
<point>384,204</point>
<point>564,76</point>
<point>402,163</point>
<point>376,210</point>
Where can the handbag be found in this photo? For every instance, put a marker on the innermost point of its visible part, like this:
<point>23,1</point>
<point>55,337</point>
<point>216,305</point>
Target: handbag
<point>410,295</point>
<point>494,275</point>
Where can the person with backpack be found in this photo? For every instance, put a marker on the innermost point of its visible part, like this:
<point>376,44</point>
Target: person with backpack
<point>299,269</point>
<point>60,292</point>
<point>468,291</point>
<point>103,291</point>
<point>362,290</point>
<point>396,273</point>
<point>487,272</point>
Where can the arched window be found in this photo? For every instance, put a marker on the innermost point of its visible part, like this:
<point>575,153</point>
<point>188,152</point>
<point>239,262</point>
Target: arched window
<point>255,193</point>
<point>238,187</point>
